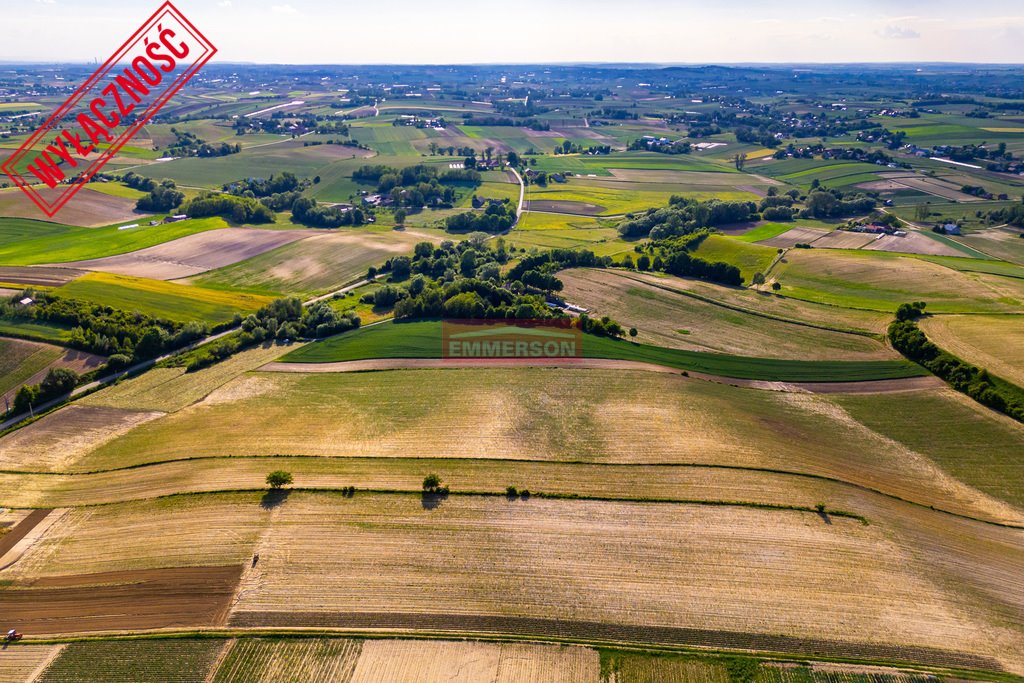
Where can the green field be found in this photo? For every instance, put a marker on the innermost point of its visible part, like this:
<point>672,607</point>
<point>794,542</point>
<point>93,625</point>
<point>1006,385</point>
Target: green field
<point>972,443</point>
<point>20,361</point>
<point>26,242</point>
<point>165,300</point>
<point>423,340</point>
<point>133,661</point>
<point>749,258</point>
<point>879,281</point>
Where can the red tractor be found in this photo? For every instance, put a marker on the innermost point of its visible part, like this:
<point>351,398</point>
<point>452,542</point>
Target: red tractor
<point>13,636</point>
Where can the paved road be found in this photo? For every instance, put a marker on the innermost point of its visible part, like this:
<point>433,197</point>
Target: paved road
<point>522,194</point>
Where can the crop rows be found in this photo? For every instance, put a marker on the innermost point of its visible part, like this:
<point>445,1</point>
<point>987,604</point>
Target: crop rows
<point>117,661</point>
<point>284,661</point>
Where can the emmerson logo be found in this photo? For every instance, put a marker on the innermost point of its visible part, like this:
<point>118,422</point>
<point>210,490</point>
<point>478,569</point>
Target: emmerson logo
<point>524,339</point>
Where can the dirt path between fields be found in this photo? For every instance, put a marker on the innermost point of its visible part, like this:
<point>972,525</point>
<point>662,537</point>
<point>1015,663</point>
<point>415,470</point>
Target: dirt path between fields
<point>866,387</point>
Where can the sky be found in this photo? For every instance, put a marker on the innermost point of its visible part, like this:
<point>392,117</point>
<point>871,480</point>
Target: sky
<point>530,31</point>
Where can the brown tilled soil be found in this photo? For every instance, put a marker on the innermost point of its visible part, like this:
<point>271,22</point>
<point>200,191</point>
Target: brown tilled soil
<point>554,206</point>
<point>87,208</point>
<point>20,531</point>
<point>146,599</point>
<point>194,254</point>
<point>596,631</point>
<point>44,276</point>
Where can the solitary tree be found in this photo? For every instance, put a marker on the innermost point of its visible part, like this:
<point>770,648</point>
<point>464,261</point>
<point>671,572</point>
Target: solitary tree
<point>431,482</point>
<point>279,478</point>
<point>632,332</point>
<point>776,286</point>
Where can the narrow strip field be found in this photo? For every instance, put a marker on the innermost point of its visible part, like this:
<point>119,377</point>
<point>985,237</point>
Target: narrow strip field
<point>193,254</point>
<point>423,340</point>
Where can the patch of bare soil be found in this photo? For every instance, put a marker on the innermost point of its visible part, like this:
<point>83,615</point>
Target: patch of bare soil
<point>180,597</point>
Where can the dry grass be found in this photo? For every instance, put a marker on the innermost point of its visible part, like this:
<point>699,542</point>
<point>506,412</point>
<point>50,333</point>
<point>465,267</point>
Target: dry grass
<point>764,302</point>
<point>881,282</point>
<point>555,415</point>
<point>665,318</point>
<point>171,389</point>
<point>587,561</point>
<point>992,342</point>
<point>413,661</point>
<point>64,436</point>
<point>406,474</point>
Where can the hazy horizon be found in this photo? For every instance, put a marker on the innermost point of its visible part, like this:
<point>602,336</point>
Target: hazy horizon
<point>443,32</point>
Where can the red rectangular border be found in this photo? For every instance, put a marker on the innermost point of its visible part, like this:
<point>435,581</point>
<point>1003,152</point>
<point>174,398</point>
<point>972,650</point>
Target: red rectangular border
<point>120,141</point>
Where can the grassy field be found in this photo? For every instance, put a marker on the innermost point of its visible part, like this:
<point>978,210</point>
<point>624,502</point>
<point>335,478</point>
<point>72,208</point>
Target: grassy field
<point>20,360</point>
<point>627,667</point>
<point>877,281</point>
<point>749,258</point>
<point>289,661</point>
<point>673,319</point>
<point>992,342</point>
<point>423,340</point>
<point>976,445</point>
<point>26,242</point>
<point>160,299</point>
<point>314,265</point>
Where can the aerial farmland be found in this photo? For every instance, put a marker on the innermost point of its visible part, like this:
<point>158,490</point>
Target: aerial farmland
<point>744,400</point>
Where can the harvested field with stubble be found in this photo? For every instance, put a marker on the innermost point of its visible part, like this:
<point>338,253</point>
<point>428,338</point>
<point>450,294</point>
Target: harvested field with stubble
<point>666,318</point>
<point>879,281</point>
<point>992,342</point>
<point>194,254</point>
<point>316,660</point>
<point>87,208</point>
<point>21,663</point>
<point>416,661</point>
<point>582,561</point>
<point>795,236</point>
<point>553,415</point>
<point>61,437</point>
<point>324,261</point>
<point>210,531</point>
<point>171,389</point>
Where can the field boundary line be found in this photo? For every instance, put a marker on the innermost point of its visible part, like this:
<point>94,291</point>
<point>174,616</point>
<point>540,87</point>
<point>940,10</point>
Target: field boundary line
<point>740,468</point>
<point>309,632</point>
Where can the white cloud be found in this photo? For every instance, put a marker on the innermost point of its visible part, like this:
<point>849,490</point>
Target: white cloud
<point>224,3</point>
<point>284,9</point>
<point>893,32</point>
<point>46,2</point>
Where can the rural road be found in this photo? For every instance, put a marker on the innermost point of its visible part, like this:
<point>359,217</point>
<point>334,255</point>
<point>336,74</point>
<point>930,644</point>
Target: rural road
<point>522,194</point>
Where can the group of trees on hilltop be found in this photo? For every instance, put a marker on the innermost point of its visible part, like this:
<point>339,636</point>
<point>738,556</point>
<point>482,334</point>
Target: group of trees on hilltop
<point>497,217</point>
<point>683,216</point>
